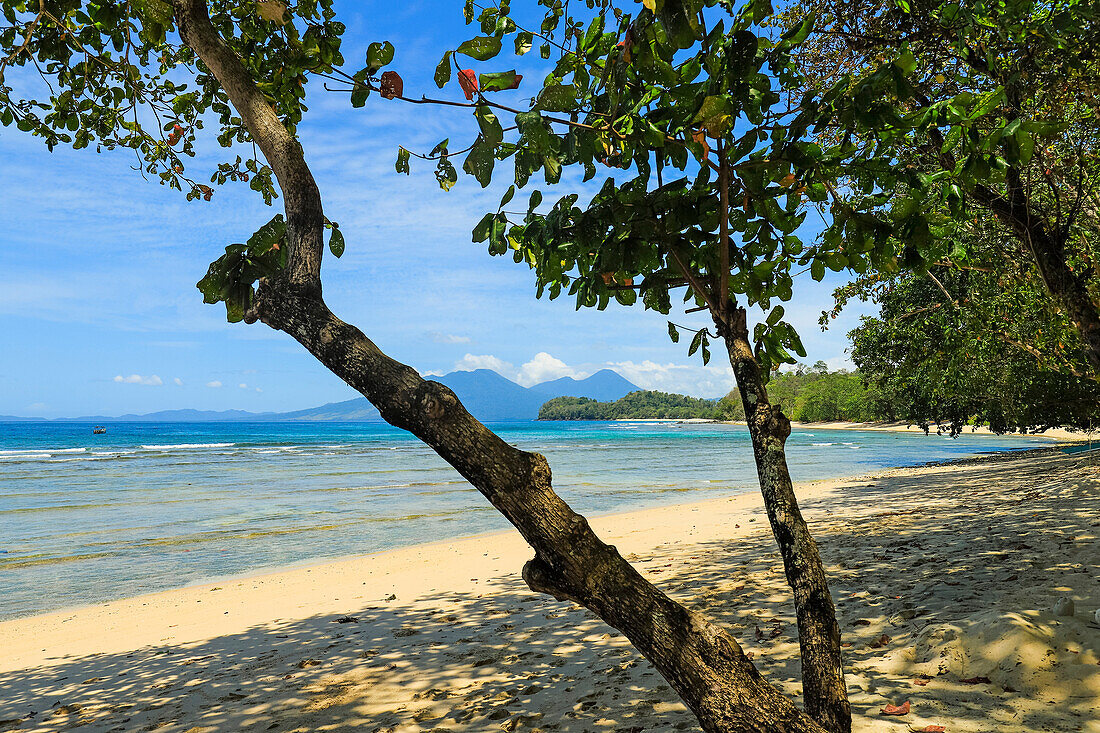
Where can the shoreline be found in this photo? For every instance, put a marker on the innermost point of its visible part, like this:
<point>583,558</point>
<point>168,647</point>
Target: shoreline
<point>960,581</point>
<point>1059,434</point>
<point>309,564</point>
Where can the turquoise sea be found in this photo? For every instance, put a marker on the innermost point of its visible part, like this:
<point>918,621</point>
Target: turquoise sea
<point>86,518</point>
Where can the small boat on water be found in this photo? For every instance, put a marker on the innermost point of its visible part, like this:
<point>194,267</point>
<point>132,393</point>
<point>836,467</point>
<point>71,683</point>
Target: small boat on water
<point>99,430</point>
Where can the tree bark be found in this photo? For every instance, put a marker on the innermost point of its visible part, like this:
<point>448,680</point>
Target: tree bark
<point>702,662</point>
<point>823,687</point>
<point>1068,288</point>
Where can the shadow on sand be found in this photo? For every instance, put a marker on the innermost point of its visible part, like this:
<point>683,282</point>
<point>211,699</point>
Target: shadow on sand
<point>912,558</point>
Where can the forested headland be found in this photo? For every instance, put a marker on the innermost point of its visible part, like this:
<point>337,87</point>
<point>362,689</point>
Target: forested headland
<point>807,394</point>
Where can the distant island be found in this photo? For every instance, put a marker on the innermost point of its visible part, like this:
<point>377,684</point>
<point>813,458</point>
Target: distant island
<point>806,394</point>
<point>643,405</point>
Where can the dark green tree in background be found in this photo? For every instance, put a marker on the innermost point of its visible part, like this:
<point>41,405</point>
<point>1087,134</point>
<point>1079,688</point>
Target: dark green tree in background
<point>1000,113</point>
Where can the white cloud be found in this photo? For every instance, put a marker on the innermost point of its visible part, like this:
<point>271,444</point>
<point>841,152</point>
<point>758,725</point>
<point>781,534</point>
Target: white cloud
<point>215,383</point>
<point>713,380</point>
<point>470,362</point>
<point>543,368</point>
<point>178,381</point>
<point>242,385</point>
<point>841,362</point>
<point>151,381</point>
<point>448,338</point>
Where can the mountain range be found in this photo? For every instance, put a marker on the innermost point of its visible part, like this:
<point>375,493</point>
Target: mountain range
<point>487,395</point>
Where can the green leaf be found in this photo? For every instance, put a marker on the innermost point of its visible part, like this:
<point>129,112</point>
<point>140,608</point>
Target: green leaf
<point>445,174</point>
<point>695,343</point>
<point>402,164</point>
<point>715,115</point>
<point>336,241</point>
<point>775,316</point>
<point>491,131</point>
<point>481,231</point>
<point>906,62</point>
<point>507,196</point>
<point>800,32</point>
<point>359,95</point>
<point>157,11</point>
<point>267,236</point>
<point>497,81</point>
<point>817,269</point>
<point>523,42</point>
<point>557,98</point>
<point>480,161</point>
<point>443,71</point>
<point>378,55</point>
<point>987,102</point>
<point>481,48</point>
<point>673,333</point>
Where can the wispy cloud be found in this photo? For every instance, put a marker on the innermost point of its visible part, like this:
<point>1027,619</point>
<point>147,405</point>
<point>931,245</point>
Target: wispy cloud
<point>448,338</point>
<point>215,384</point>
<point>150,381</point>
<point>471,362</point>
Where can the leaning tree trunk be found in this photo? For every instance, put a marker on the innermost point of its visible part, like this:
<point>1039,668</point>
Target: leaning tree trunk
<point>1048,248</point>
<point>823,687</point>
<point>702,662</point>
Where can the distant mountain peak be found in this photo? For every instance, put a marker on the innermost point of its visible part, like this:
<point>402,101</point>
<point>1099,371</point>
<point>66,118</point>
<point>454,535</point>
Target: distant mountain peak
<point>606,385</point>
<point>488,395</point>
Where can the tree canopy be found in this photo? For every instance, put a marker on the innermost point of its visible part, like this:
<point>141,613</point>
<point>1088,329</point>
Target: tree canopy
<point>645,404</point>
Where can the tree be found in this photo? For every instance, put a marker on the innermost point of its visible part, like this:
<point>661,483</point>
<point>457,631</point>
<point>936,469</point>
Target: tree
<point>876,137</point>
<point>111,71</point>
<point>997,117</point>
<point>818,395</point>
<point>647,93</point>
<point>984,349</point>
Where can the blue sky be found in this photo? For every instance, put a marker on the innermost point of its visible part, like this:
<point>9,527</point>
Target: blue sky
<point>100,314</point>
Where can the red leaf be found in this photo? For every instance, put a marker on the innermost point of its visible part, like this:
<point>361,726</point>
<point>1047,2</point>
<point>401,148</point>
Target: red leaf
<point>700,136</point>
<point>516,81</point>
<point>902,709</point>
<point>975,680</point>
<point>467,79</point>
<point>392,85</point>
<point>931,729</point>
<point>880,642</point>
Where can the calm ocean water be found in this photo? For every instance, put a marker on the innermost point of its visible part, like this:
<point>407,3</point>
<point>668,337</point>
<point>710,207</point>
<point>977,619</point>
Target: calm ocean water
<point>86,518</point>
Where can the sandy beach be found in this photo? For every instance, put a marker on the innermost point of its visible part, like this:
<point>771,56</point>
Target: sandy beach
<point>945,578</point>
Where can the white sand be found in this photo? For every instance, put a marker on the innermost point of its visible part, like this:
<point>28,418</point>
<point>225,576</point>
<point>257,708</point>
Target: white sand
<point>958,566</point>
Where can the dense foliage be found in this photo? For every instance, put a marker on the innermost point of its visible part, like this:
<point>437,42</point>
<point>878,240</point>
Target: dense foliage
<point>806,394</point>
<point>1004,102</point>
<point>815,394</point>
<point>644,404</point>
<point>974,346</point>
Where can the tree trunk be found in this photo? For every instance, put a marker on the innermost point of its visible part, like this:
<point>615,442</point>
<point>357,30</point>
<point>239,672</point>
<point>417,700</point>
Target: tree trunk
<point>1068,288</point>
<point>823,687</point>
<point>706,666</point>
<point>702,662</point>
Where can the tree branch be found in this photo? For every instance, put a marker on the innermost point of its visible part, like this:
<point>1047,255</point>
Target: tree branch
<point>305,217</point>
